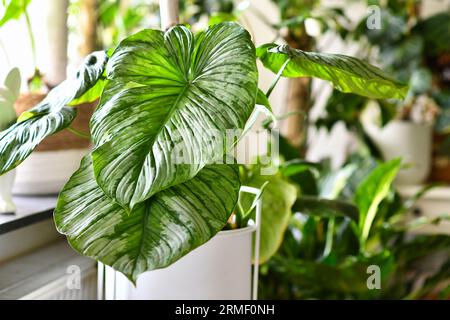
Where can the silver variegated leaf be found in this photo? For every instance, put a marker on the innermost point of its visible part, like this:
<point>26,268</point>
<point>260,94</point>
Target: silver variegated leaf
<point>158,231</point>
<point>170,98</point>
<point>49,116</point>
<point>347,74</point>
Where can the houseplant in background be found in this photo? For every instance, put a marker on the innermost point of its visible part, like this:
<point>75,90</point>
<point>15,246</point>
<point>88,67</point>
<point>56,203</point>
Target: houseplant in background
<point>155,186</point>
<point>332,251</point>
<point>414,48</point>
<point>9,92</point>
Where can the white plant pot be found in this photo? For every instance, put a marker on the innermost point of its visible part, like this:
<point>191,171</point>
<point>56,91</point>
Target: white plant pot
<point>46,172</point>
<point>6,184</point>
<point>220,269</point>
<point>410,141</point>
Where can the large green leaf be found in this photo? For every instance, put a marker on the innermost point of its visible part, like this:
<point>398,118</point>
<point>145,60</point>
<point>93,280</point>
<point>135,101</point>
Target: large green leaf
<point>49,116</point>
<point>277,199</point>
<point>170,94</point>
<point>371,192</point>
<point>347,74</point>
<point>158,231</point>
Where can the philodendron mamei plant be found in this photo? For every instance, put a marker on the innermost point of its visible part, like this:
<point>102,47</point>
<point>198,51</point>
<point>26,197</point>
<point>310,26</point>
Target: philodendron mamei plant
<point>132,205</point>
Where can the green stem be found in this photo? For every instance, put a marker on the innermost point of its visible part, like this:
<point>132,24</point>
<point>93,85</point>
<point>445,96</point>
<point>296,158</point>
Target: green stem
<point>31,38</point>
<point>79,133</point>
<point>329,237</point>
<point>277,78</point>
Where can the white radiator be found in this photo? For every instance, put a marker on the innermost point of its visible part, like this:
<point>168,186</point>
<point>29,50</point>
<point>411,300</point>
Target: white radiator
<point>53,272</point>
<point>58,289</point>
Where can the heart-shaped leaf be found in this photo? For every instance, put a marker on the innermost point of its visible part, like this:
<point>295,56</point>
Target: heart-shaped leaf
<point>49,116</point>
<point>168,95</point>
<point>158,231</point>
<point>348,74</point>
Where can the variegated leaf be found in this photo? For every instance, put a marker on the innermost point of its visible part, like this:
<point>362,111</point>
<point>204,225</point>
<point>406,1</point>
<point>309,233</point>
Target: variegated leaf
<point>170,98</point>
<point>158,231</point>
<point>348,74</point>
<point>49,116</point>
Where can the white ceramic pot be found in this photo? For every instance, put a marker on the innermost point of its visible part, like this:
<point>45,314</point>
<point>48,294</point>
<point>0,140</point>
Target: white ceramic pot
<point>6,184</point>
<point>219,269</point>
<point>46,172</point>
<point>410,141</point>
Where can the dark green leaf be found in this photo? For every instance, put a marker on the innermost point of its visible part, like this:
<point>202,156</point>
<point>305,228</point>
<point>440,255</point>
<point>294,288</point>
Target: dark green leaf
<point>436,32</point>
<point>296,166</point>
<point>287,150</point>
<point>314,206</point>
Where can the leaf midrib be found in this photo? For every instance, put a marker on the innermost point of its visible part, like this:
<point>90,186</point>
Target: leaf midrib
<point>172,110</point>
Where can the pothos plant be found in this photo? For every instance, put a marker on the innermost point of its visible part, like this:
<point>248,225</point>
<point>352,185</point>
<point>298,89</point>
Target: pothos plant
<point>131,204</point>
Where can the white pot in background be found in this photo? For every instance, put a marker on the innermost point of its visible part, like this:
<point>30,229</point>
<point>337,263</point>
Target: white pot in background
<point>46,172</point>
<point>219,269</point>
<point>6,184</point>
<point>410,141</point>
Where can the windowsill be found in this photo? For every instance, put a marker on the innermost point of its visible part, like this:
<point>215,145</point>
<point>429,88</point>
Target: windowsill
<point>30,210</point>
<point>436,193</point>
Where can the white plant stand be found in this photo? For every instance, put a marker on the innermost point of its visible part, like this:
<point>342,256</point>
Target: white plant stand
<point>221,269</point>
<point>6,184</point>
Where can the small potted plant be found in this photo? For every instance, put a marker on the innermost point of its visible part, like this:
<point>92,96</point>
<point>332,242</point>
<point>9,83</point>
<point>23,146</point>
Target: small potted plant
<point>54,160</point>
<point>408,136</point>
<point>9,93</point>
<point>159,183</point>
